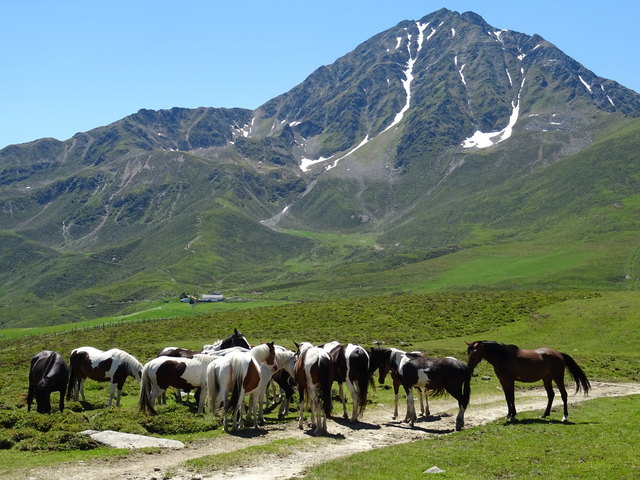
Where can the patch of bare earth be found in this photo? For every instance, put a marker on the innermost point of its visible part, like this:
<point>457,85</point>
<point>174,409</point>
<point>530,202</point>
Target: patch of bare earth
<point>376,431</point>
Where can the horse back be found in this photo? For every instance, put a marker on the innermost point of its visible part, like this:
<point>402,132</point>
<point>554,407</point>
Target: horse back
<point>339,360</point>
<point>300,375</point>
<point>49,366</point>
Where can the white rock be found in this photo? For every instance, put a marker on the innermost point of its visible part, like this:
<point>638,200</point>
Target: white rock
<point>130,440</point>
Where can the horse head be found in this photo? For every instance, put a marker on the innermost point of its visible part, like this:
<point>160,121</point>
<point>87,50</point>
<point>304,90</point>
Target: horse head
<point>379,360</point>
<point>43,396</point>
<point>475,354</point>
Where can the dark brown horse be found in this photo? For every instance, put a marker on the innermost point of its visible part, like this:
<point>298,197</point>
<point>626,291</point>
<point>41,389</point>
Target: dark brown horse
<point>48,373</point>
<point>511,363</point>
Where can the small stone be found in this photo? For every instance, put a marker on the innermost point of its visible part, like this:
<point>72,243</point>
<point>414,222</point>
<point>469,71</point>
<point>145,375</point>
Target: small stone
<point>434,469</point>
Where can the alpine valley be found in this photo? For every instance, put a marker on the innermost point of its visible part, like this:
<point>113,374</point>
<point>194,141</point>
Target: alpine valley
<point>441,153</point>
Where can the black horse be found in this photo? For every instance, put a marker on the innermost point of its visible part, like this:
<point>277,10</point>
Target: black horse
<point>48,373</point>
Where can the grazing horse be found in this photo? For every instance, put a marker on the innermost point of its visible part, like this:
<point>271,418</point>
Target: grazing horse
<point>314,375</point>
<point>48,373</point>
<point>239,372</point>
<point>511,363</point>
<point>234,340</point>
<point>183,373</point>
<point>351,366</point>
<point>436,374</point>
<point>114,365</point>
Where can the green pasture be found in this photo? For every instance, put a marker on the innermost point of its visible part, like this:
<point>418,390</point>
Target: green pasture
<point>599,329</point>
<point>600,442</point>
<point>147,311</point>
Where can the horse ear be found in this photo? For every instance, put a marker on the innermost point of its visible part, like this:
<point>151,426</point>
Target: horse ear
<point>297,346</point>
<point>235,331</point>
<point>468,344</point>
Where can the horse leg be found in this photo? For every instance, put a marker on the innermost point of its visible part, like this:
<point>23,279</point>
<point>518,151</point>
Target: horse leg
<point>549,388</point>
<point>460,417</point>
<point>301,406</point>
<point>354,399</point>
<point>80,390</point>
<point>509,396</point>
<point>411,416</point>
<point>563,395</point>
<point>30,395</point>
<point>396,388</point>
<point>237,412</point>
<point>424,402</point>
<point>343,400</point>
<point>61,402</point>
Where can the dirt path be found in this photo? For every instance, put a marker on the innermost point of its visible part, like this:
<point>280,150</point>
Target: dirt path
<point>377,430</point>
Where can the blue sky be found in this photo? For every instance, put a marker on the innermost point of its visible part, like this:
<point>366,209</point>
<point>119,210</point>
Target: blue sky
<point>70,66</point>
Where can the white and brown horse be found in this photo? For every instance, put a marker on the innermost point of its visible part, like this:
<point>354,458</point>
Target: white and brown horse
<point>182,373</point>
<point>438,375</point>
<point>351,366</point>
<point>285,361</point>
<point>240,372</point>
<point>314,376</point>
<point>112,366</point>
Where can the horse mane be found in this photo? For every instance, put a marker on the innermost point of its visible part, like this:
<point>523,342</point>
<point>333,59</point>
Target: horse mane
<point>502,351</point>
<point>261,351</point>
<point>132,362</point>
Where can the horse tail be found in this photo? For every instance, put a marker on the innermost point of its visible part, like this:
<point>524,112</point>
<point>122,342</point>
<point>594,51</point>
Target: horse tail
<point>360,366</point>
<point>326,382</point>
<point>578,375</point>
<point>73,380</point>
<point>213,387</point>
<point>144,402</point>
<point>238,381</point>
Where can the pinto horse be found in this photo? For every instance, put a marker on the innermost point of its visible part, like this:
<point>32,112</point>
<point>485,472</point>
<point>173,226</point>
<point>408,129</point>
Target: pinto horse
<point>285,361</point>
<point>183,373</point>
<point>114,366</point>
<point>48,373</point>
<point>351,366</point>
<point>314,373</point>
<point>438,375</point>
<point>240,372</point>
<point>377,356</point>
<point>511,363</point>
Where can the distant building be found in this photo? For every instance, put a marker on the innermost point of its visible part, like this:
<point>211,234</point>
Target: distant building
<point>212,297</point>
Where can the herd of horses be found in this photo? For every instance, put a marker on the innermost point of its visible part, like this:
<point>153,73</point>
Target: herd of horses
<point>223,374</point>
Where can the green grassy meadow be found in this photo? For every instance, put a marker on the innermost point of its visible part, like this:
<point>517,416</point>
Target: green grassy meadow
<point>601,444</point>
<point>599,329</point>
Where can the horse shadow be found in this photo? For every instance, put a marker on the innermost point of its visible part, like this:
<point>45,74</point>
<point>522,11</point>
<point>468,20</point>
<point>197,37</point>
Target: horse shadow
<point>334,436</point>
<point>248,432</point>
<point>422,419</point>
<point>359,425</point>
<point>543,421</point>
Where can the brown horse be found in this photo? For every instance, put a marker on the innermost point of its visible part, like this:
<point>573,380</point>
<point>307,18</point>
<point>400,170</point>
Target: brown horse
<point>511,363</point>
